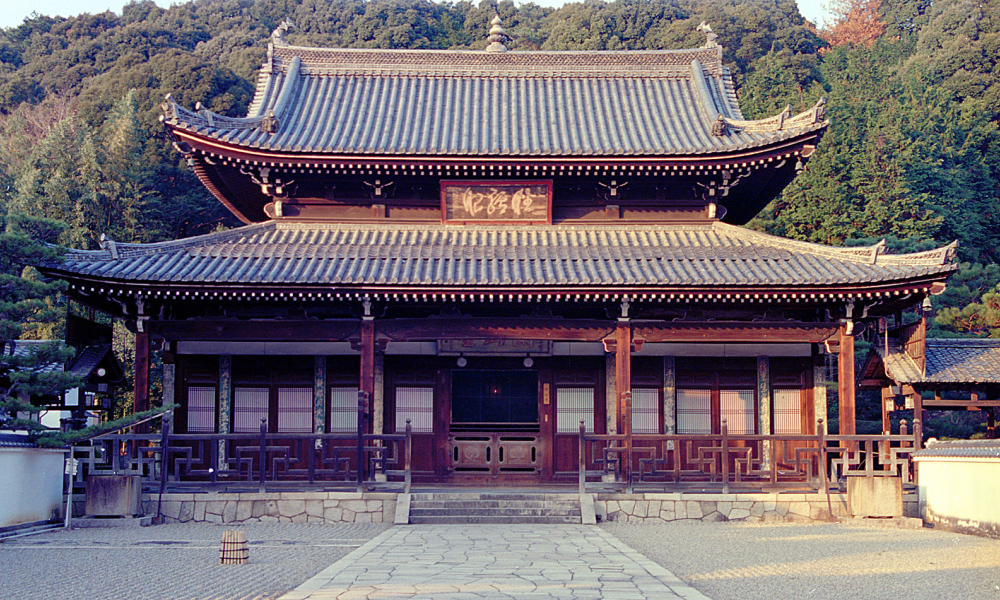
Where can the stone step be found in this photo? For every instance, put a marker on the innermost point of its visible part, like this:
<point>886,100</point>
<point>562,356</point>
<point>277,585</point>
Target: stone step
<point>459,519</point>
<point>494,496</point>
<point>460,504</point>
<point>510,510</point>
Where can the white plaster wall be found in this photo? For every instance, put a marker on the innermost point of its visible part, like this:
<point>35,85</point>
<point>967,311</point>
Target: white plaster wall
<point>31,485</point>
<point>960,491</point>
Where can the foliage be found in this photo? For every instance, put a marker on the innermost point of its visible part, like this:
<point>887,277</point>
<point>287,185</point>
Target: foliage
<point>59,439</point>
<point>27,308</point>
<point>855,22</point>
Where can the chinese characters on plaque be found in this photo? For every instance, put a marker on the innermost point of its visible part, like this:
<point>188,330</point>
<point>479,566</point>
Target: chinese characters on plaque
<point>497,201</point>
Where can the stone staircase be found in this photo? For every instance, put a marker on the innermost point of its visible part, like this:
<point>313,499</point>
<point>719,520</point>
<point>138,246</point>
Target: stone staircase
<point>494,507</point>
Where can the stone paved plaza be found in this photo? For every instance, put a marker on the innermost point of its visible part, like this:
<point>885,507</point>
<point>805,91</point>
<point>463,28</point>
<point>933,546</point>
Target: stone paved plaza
<point>473,562</point>
<point>723,561</point>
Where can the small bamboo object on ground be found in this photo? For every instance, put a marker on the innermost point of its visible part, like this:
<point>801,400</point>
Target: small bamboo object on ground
<point>234,547</point>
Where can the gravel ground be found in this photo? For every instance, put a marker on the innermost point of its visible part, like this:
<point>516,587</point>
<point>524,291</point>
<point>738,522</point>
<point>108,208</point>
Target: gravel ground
<point>171,562</point>
<point>822,561</point>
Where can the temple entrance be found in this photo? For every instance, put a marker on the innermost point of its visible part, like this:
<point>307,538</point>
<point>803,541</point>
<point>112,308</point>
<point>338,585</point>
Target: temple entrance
<point>495,427</point>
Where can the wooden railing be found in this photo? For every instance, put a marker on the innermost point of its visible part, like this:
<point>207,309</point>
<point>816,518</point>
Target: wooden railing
<point>721,461</point>
<point>166,459</point>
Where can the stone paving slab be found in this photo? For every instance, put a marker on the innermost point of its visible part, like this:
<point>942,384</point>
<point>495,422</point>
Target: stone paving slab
<point>477,562</point>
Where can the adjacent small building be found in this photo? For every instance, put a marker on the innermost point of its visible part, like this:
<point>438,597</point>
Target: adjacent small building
<point>494,247</point>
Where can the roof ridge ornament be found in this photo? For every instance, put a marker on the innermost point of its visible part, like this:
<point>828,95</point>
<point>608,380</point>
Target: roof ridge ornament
<point>497,35</point>
<point>711,37</point>
<point>278,35</point>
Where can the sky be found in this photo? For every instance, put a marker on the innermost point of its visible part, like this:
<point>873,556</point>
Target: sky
<point>15,13</point>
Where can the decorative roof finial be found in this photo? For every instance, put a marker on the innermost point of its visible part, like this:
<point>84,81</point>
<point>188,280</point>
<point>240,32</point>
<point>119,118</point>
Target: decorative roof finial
<point>720,127</point>
<point>278,35</point>
<point>497,35</point>
<point>712,37</point>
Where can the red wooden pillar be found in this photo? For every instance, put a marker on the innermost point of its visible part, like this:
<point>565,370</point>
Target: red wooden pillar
<point>368,364</point>
<point>141,388</point>
<point>845,383</point>
<point>623,374</point>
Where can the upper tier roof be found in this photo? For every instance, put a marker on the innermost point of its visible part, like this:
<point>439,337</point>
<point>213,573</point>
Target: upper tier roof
<point>561,258</point>
<point>480,103</point>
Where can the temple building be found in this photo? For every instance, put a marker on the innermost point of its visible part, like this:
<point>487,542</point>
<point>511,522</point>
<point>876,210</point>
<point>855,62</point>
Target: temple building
<point>495,246</point>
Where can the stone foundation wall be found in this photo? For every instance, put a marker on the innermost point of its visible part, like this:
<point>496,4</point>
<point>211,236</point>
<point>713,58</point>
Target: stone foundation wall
<point>751,508</point>
<point>274,507</point>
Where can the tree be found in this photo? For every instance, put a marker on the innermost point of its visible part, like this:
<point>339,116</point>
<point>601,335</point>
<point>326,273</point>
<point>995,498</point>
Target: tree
<point>855,22</point>
<point>27,308</point>
<point>979,319</point>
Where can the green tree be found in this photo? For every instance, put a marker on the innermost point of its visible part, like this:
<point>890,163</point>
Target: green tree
<point>27,308</point>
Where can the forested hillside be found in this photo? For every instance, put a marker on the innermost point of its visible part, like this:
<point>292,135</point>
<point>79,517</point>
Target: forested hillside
<point>913,90</point>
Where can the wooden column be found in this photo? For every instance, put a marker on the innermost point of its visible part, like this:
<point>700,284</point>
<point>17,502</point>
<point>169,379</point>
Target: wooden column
<point>845,383</point>
<point>610,395</point>
<point>368,362</point>
<point>764,407</point>
<point>887,396</point>
<point>623,374</point>
<point>918,414</point>
<point>319,395</point>
<point>141,389</point>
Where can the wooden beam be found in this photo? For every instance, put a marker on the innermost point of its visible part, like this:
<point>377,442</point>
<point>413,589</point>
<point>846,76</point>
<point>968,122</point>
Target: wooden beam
<point>942,403</point>
<point>472,328</point>
<point>623,374</point>
<point>734,332</point>
<point>278,330</point>
<point>845,383</point>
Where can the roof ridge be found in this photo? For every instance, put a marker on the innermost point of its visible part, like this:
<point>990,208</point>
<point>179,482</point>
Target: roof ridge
<point>131,249</point>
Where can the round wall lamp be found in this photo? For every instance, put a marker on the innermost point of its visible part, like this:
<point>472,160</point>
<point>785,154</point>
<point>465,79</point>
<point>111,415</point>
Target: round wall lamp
<point>462,361</point>
<point>528,362</point>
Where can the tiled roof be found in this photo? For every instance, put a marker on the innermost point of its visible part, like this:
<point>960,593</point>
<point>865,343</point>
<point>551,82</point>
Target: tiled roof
<point>568,257</point>
<point>961,449</point>
<point>949,360</point>
<point>473,103</point>
<point>89,358</point>
<point>24,348</point>
<point>16,440</point>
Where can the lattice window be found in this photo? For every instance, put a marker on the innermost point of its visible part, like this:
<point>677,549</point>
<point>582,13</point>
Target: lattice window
<point>201,409</point>
<point>572,406</point>
<point>694,412</point>
<point>787,412</point>
<point>645,411</point>
<point>739,410</point>
<point>249,407</point>
<point>295,410</point>
<point>417,405</point>
<point>343,410</point>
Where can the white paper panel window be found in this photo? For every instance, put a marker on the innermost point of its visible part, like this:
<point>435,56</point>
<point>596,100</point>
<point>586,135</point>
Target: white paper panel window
<point>572,406</point>
<point>787,412</point>
<point>417,405</point>
<point>694,412</point>
<point>344,410</point>
<point>201,409</point>
<point>645,411</point>
<point>295,410</point>
<point>249,407</point>
<point>739,411</point>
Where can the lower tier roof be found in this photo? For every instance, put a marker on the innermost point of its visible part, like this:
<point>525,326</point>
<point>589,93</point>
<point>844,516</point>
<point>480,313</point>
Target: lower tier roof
<point>564,258</point>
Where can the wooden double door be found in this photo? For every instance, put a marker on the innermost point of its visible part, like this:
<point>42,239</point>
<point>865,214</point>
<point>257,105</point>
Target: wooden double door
<point>494,420</point>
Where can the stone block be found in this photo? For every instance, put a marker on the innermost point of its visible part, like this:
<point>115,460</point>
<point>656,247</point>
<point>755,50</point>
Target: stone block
<point>268,519</point>
<point>213,518</point>
<point>171,510</point>
<point>229,512</point>
<point>199,512</point>
<point>744,504</point>
<point>331,503</point>
<point>714,517</point>
<point>314,508</point>
<point>769,505</point>
<point>244,510</point>
<point>215,507</point>
<point>694,509</point>
<point>738,514</point>
<point>799,508</point>
<point>300,518</point>
<point>374,506</point>
<point>311,519</point>
<point>757,509</point>
<point>875,496</point>
<point>723,507</point>
<point>613,507</point>
<point>654,508</point>
<point>780,508</point>
<point>363,518</point>
<point>290,508</point>
<point>186,512</point>
<point>627,506</point>
<point>333,514</point>
<point>113,495</point>
<point>707,507</point>
<point>357,506</point>
<point>641,508</point>
<point>347,516</point>
<point>667,515</point>
<point>680,510</point>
